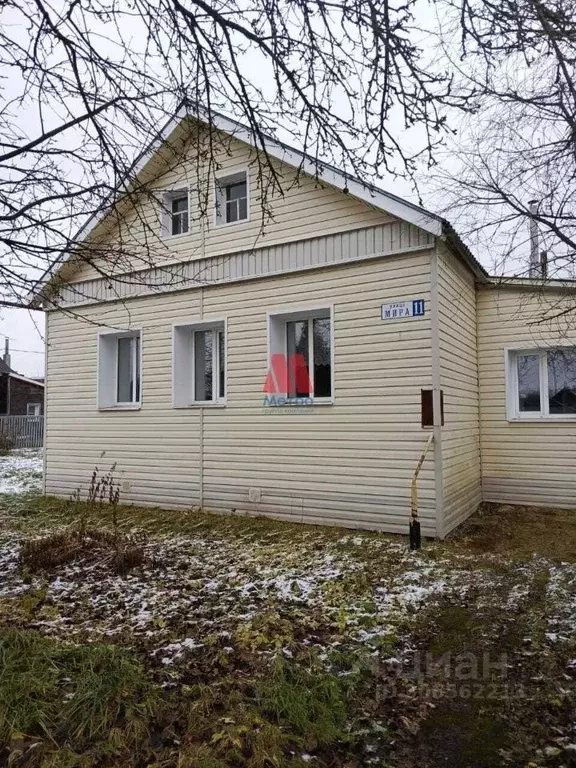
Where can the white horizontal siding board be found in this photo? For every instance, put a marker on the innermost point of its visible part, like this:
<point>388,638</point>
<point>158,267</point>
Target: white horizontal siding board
<point>350,463</point>
<point>531,463</point>
<point>335,419</point>
<point>461,460</point>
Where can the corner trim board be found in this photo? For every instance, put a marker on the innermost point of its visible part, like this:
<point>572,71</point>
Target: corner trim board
<point>436,389</point>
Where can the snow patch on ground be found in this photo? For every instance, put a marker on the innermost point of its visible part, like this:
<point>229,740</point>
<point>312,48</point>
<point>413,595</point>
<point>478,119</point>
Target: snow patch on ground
<point>21,471</point>
<point>219,591</point>
<point>194,588</point>
<point>561,602</point>
<point>10,582</point>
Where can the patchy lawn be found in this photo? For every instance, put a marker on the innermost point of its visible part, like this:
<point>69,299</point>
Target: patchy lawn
<point>158,638</point>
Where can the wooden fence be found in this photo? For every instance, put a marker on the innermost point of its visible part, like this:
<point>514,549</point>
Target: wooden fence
<point>23,431</point>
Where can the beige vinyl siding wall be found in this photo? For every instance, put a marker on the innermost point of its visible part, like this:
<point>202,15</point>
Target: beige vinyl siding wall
<point>349,463</point>
<point>461,481</point>
<point>522,463</point>
<point>156,449</point>
<point>302,207</point>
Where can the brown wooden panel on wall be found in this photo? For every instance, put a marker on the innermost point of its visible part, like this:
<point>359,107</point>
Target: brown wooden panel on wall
<point>427,402</point>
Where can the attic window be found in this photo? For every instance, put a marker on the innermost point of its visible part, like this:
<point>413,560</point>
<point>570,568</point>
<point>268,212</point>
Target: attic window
<point>175,213</point>
<point>180,215</point>
<point>232,199</point>
<point>542,384</point>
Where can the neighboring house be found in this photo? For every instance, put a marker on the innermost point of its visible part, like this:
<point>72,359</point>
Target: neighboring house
<point>19,395</point>
<point>176,370</point>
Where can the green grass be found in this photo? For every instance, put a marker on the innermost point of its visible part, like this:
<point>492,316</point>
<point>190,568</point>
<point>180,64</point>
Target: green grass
<point>67,705</point>
<point>309,703</point>
<point>36,513</point>
<point>74,698</point>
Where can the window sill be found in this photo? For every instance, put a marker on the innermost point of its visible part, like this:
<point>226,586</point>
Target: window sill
<point>224,224</point>
<point>541,419</point>
<point>202,404</point>
<point>175,237</point>
<point>295,404</point>
<point>121,407</point>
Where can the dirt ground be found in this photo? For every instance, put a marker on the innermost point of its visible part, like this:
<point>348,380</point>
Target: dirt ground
<point>519,531</point>
<point>147,637</point>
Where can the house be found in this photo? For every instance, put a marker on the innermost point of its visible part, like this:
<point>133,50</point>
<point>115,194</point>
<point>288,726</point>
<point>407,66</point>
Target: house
<point>297,369</point>
<point>19,395</point>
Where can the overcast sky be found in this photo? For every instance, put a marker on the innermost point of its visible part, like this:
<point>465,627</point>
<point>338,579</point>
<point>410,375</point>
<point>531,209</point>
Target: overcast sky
<point>25,331</point>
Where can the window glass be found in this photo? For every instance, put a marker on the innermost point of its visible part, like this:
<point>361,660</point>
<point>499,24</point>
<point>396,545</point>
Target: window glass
<point>118,369</point>
<point>528,367</point>
<point>322,357</point>
<point>125,369</point>
<point>236,202</point>
<point>562,381</point>
<point>298,362</point>
<point>203,364</point>
<point>199,364</point>
<point>221,365</point>
<point>136,352</point>
<point>180,215</point>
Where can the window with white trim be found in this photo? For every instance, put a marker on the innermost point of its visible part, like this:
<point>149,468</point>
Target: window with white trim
<point>33,409</point>
<point>199,364</point>
<point>542,384</point>
<point>301,352</point>
<point>232,200</point>
<point>175,213</point>
<point>179,215</point>
<point>119,370</point>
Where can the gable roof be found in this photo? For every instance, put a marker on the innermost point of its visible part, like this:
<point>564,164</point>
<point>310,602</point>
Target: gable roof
<point>4,368</point>
<point>27,380</point>
<point>369,193</point>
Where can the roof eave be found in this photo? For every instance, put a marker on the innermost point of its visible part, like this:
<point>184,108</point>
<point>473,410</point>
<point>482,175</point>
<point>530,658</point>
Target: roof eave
<point>453,239</point>
<point>532,283</point>
<point>387,202</point>
<point>18,376</point>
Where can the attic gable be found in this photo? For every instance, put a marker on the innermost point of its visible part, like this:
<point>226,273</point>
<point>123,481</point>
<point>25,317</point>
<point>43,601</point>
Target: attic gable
<point>285,204</point>
<point>162,158</point>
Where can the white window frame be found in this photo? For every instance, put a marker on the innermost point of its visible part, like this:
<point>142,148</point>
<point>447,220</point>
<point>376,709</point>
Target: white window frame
<point>107,371</point>
<point>166,212</point>
<point>183,363</point>
<point>513,411</point>
<point>277,341</point>
<point>37,408</point>
<point>221,181</point>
